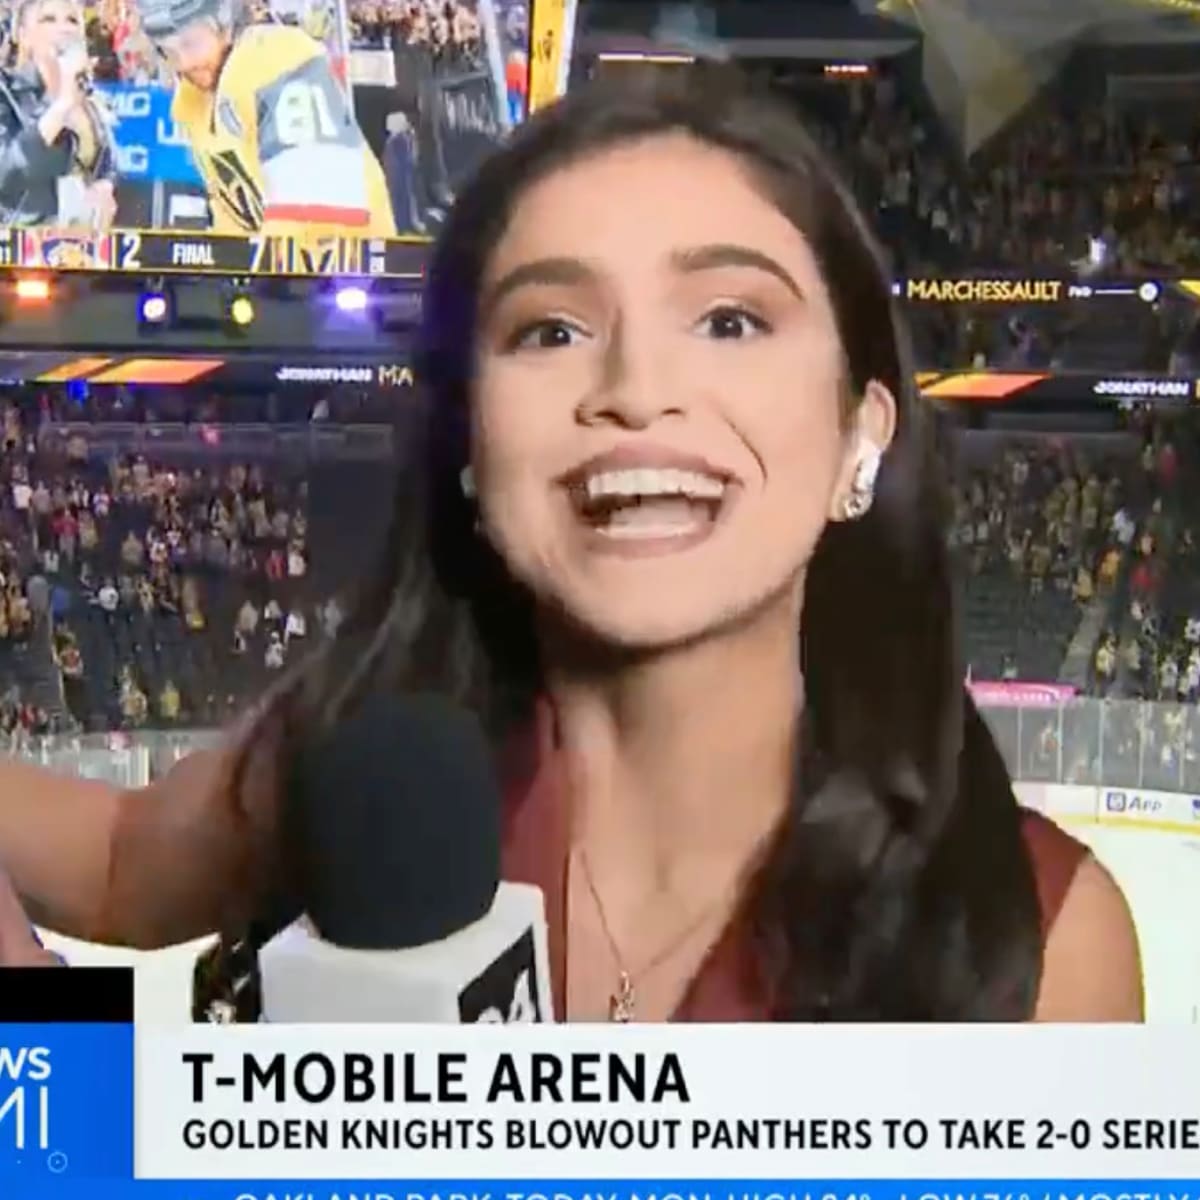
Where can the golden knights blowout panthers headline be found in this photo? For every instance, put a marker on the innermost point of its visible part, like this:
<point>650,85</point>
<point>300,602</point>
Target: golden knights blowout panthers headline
<point>399,1100</point>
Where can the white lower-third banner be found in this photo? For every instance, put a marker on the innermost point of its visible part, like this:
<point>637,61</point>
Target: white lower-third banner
<point>658,1102</point>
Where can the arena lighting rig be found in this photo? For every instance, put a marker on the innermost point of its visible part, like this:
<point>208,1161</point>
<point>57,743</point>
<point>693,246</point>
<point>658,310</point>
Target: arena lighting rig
<point>153,308</point>
<point>300,313</point>
<point>156,301</point>
<point>351,298</point>
<point>32,289</point>
<point>155,305</point>
<point>241,309</point>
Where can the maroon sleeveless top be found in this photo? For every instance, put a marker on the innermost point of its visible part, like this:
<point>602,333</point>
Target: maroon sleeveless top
<point>728,986</point>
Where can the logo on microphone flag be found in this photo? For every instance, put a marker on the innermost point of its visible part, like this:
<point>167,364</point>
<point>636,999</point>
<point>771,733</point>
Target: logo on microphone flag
<point>505,992</point>
<point>66,1076</point>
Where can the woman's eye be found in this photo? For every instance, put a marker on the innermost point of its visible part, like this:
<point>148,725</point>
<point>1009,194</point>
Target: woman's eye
<point>545,335</point>
<point>731,323</point>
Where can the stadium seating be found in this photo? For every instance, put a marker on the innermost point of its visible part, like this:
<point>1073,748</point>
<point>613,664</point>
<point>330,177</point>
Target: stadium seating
<point>1048,592</point>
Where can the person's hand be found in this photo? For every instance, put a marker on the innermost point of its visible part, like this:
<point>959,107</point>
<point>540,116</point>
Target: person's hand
<point>102,200</point>
<point>60,77</point>
<point>19,944</point>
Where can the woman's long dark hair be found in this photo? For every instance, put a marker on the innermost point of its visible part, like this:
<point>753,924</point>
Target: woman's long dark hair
<point>899,887</point>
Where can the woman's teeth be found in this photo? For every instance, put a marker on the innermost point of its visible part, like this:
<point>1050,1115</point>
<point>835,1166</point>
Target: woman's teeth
<point>653,482</point>
<point>671,516</point>
<point>649,503</point>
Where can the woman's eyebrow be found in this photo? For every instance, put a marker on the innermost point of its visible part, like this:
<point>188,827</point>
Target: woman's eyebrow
<point>727,254</point>
<point>568,271</point>
<point>545,271</point>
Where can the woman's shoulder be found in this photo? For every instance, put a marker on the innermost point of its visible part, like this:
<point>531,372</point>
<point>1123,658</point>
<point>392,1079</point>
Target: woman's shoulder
<point>1091,962</point>
<point>1057,858</point>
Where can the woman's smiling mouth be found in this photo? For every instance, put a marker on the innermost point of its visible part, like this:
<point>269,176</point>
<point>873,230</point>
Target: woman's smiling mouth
<point>639,501</point>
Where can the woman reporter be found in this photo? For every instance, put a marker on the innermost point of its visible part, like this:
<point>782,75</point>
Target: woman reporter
<point>672,422</point>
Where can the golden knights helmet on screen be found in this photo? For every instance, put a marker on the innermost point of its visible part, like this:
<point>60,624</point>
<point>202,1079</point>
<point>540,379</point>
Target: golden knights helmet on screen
<point>161,18</point>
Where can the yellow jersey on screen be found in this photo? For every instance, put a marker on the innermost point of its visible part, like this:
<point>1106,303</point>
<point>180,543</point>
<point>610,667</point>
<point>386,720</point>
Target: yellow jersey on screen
<point>277,143</point>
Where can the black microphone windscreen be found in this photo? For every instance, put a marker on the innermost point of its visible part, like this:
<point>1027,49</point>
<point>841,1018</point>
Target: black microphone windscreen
<point>394,824</point>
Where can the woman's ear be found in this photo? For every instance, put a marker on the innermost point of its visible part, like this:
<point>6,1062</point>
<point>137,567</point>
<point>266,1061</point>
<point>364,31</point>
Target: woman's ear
<point>872,427</point>
<point>875,416</point>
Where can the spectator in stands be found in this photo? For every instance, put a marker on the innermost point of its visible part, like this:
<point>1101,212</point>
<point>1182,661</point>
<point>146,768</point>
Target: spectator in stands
<point>71,665</point>
<point>1105,662</point>
<point>193,610</point>
<point>295,627</point>
<point>276,652</point>
<point>20,616</point>
<point>331,617</point>
<point>169,703</point>
<point>108,598</point>
<point>134,705</point>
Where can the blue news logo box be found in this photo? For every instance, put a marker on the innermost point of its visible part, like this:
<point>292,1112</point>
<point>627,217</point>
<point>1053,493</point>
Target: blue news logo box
<point>66,1074</point>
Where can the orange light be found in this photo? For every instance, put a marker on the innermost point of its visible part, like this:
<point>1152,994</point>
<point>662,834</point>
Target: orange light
<point>33,289</point>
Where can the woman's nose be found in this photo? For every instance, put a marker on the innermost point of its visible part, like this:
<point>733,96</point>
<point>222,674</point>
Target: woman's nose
<point>637,388</point>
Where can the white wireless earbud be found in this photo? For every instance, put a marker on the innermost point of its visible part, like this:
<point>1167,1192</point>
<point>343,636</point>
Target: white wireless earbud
<point>870,459</point>
<point>466,481</point>
<point>862,490</point>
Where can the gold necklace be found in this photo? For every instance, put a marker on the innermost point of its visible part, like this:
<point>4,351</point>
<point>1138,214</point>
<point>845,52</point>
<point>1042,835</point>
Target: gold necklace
<point>622,1003</point>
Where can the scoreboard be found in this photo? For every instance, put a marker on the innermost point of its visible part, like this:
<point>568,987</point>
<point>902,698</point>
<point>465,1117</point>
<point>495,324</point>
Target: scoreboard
<point>133,251</point>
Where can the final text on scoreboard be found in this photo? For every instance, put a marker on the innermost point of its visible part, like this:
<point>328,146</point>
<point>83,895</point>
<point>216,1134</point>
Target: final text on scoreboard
<point>258,254</point>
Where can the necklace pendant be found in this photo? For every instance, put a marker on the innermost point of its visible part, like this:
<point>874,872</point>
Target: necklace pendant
<point>620,1005</point>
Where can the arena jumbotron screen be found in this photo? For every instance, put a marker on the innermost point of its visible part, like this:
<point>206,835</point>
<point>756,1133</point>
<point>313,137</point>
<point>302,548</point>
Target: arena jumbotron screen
<point>247,137</point>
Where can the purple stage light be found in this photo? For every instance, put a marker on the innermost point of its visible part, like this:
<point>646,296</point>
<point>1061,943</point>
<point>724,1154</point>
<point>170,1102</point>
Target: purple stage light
<point>351,299</point>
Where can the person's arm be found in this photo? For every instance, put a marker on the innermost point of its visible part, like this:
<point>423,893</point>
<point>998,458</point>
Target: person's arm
<point>20,945</point>
<point>33,156</point>
<point>147,868</point>
<point>61,81</point>
<point>49,125</point>
<point>1092,970</point>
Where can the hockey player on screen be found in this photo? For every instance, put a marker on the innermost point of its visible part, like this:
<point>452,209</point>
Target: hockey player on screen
<point>269,124</point>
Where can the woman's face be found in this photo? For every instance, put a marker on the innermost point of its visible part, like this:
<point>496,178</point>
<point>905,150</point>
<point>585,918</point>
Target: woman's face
<point>656,425</point>
<point>49,26</point>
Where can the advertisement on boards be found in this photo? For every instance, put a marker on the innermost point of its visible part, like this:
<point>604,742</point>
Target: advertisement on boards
<point>1012,694</point>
